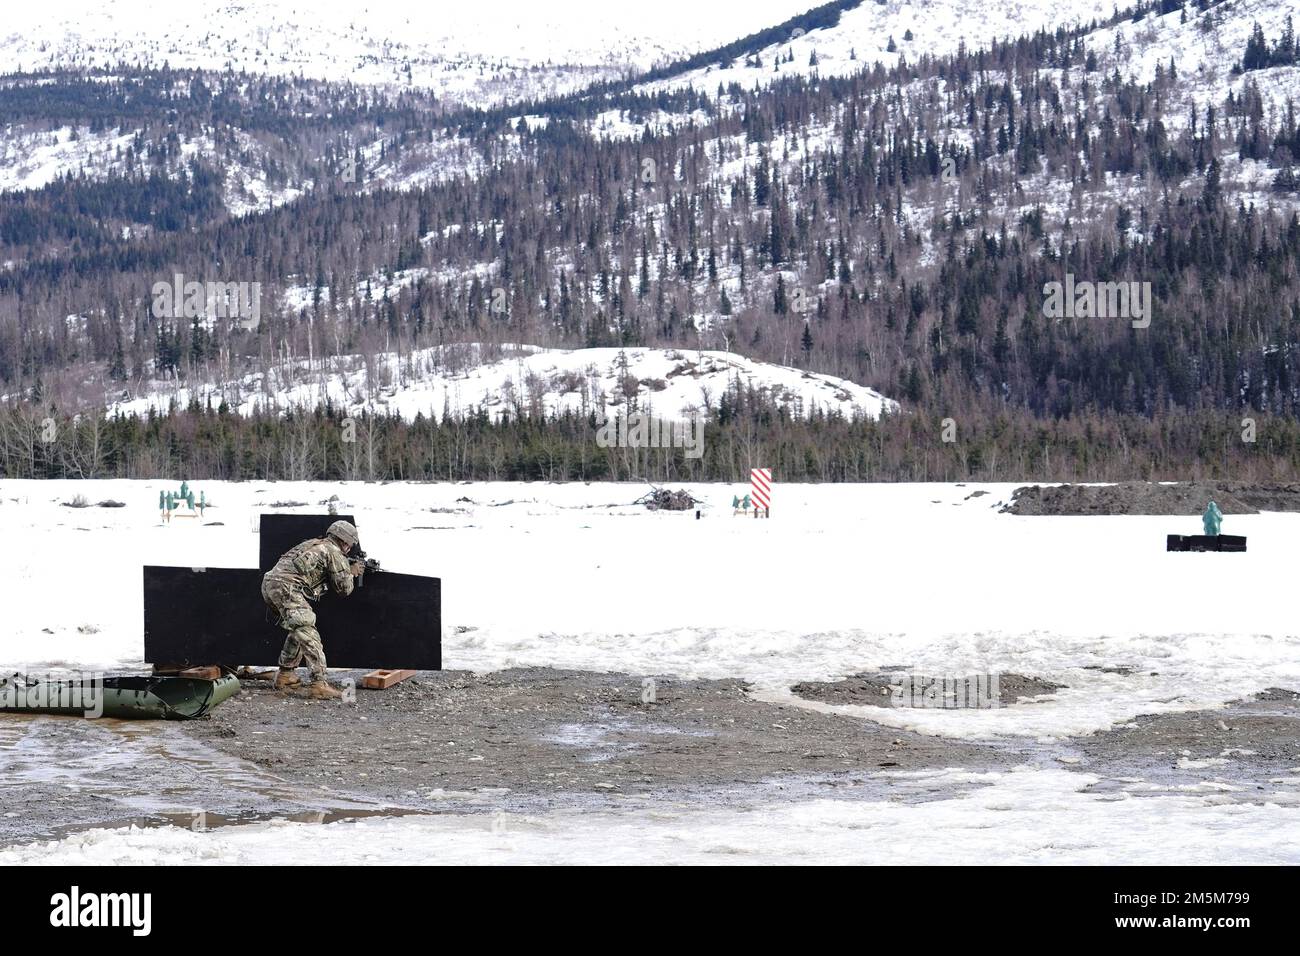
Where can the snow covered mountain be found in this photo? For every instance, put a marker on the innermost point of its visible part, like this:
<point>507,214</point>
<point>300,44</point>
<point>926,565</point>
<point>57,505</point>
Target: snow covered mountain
<point>486,52</point>
<point>502,50</point>
<point>1202,44</point>
<point>669,384</point>
<point>838,183</point>
<point>886,33</point>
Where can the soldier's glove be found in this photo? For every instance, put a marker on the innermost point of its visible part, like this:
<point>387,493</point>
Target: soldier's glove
<point>360,568</point>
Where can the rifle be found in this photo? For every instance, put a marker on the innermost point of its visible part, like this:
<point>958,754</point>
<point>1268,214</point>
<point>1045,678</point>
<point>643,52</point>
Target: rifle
<point>368,566</point>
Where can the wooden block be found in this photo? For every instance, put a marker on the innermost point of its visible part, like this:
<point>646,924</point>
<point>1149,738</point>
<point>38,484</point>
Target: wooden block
<point>202,673</point>
<point>247,673</point>
<point>384,679</point>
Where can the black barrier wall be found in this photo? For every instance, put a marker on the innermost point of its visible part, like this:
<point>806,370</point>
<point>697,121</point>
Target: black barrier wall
<point>202,616</point>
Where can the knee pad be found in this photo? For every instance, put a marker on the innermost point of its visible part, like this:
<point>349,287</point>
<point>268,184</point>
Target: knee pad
<point>306,636</point>
<point>293,618</point>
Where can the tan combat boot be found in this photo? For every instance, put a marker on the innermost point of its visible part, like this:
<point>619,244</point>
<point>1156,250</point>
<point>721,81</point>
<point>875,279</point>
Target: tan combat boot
<point>287,678</point>
<point>323,690</point>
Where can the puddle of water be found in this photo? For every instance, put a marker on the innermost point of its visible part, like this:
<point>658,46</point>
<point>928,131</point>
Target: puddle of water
<point>139,761</point>
<point>607,740</point>
<point>597,735</point>
<point>578,735</point>
<point>87,771</point>
<point>202,821</point>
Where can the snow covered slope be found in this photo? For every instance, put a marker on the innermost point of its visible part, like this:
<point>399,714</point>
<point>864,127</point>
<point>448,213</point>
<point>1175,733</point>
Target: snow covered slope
<point>500,50</point>
<point>489,51</point>
<point>669,383</point>
<point>864,34</point>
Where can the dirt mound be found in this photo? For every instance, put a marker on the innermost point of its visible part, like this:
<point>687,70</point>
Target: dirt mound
<point>661,499</point>
<point>1150,498</point>
<point>880,690</point>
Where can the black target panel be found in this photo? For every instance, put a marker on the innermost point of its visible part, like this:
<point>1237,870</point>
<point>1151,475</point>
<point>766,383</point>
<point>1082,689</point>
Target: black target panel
<point>217,616</point>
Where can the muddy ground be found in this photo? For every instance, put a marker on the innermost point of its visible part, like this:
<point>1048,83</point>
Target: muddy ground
<point>532,739</point>
<point>1147,498</point>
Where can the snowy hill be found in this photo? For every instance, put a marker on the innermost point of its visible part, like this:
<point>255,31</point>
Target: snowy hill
<point>668,383</point>
<point>887,33</point>
<point>503,50</point>
<point>485,52</point>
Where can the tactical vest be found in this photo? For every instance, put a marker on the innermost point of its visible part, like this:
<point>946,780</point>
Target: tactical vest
<point>308,565</point>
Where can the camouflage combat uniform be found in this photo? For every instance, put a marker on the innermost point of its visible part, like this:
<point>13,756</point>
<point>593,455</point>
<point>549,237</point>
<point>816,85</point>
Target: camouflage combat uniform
<point>298,577</point>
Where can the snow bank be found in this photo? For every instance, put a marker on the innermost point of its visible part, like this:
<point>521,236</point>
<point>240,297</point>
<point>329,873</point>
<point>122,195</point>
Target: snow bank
<point>1022,817</point>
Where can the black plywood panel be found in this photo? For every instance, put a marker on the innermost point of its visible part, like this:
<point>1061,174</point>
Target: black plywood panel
<point>1201,542</point>
<point>216,616</point>
<point>279,533</point>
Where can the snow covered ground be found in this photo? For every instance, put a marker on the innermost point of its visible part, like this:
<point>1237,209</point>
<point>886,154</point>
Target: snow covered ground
<point>842,579</point>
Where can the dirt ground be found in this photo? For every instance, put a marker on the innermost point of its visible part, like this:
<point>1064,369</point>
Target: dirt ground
<point>531,739</point>
<point>540,737</point>
<point>1251,746</point>
<point>1147,498</point>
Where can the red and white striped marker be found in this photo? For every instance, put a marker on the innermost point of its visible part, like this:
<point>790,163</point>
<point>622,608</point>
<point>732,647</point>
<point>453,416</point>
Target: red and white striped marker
<point>760,489</point>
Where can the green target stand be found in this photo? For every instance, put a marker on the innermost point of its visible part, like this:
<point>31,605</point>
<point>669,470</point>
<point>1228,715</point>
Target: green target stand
<point>181,504</point>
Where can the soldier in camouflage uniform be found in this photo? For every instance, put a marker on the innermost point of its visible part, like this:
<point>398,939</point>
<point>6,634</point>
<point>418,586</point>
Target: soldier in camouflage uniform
<point>297,578</point>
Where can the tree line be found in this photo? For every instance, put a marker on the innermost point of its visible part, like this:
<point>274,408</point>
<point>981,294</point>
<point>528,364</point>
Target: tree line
<point>934,444</point>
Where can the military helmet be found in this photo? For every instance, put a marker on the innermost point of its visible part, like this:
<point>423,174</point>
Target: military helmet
<point>344,531</point>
